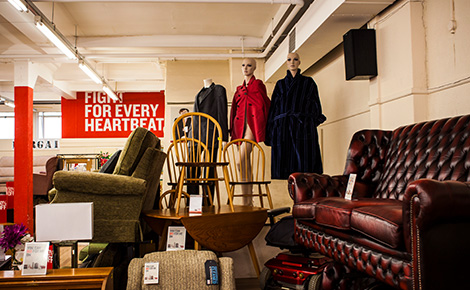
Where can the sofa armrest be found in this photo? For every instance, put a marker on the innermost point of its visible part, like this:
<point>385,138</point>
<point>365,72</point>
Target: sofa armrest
<point>429,202</point>
<point>98,183</point>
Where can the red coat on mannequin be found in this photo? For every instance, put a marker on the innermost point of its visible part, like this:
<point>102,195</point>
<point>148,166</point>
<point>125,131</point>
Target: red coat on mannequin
<point>250,102</point>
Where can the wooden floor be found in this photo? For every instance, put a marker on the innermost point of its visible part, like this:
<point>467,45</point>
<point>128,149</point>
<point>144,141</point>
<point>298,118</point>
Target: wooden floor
<point>247,284</point>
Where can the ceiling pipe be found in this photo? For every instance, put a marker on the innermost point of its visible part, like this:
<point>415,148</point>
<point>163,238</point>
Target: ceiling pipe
<point>298,4</point>
<point>293,2</point>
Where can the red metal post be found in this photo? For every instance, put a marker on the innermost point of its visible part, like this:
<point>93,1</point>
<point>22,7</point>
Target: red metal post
<point>24,157</point>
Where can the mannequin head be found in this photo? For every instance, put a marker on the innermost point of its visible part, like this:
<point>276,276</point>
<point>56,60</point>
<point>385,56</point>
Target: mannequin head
<point>293,62</point>
<point>248,67</point>
<point>207,82</point>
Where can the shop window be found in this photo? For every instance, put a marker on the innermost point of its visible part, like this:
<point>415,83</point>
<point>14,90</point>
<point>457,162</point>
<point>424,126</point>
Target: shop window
<point>7,123</point>
<point>49,125</point>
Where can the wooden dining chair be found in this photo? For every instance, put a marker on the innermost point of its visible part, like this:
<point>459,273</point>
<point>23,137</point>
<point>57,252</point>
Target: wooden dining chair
<point>198,152</point>
<point>168,198</point>
<point>246,168</point>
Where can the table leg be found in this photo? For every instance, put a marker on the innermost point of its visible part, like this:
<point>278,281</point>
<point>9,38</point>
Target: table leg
<point>254,258</point>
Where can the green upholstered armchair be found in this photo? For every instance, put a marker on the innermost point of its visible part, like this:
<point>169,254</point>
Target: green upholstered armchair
<point>118,198</point>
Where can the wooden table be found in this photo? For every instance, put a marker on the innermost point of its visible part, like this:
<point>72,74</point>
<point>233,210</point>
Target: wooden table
<point>82,278</point>
<point>217,228</point>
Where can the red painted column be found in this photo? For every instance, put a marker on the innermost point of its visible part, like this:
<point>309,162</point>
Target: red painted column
<point>24,157</point>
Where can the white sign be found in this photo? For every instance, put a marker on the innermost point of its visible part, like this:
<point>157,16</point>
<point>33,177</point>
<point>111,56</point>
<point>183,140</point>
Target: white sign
<point>176,238</point>
<point>195,204</point>
<point>350,187</point>
<point>35,258</point>
<point>151,273</point>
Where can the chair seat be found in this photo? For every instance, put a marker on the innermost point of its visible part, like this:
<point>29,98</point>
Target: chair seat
<point>249,182</point>
<point>201,164</point>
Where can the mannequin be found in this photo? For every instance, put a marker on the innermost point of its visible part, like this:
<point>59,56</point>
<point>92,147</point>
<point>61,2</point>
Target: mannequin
<point>292,123</point>
<point>211,100</point>
<point>250,106</point>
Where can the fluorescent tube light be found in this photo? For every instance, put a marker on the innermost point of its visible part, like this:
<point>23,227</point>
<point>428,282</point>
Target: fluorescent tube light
<point>56,40</point>
<point>91,73</point>
<point>18,5</point>
<point>110,93</point>
<point>7,102</point>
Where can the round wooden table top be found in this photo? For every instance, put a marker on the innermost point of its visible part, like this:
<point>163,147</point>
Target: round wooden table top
<point>216,228</point>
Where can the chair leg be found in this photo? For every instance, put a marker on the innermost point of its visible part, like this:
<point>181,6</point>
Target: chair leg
<point>180,188</point>
<point>260,194</point>
<point>227,186</point>
<point>268,194</point>
<point>254,258</point>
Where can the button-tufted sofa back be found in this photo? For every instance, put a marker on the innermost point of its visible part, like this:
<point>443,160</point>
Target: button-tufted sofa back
<point>390,160</point>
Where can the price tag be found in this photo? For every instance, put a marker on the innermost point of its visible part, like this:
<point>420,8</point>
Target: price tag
<point>350,187</point>
<point>151,273</point>
<point>212,274</point>
<point>195,204</point>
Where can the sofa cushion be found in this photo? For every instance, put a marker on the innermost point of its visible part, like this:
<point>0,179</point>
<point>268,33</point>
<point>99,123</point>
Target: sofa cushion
<point>384,223</point>
<point>336,211</point>
<point>305,210</point>
<point>139,140</point>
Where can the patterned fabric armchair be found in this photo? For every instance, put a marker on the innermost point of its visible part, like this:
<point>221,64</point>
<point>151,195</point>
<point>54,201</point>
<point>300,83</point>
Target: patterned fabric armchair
<point>181,270</point>
<point>118,198</point>
<point>408,224</point>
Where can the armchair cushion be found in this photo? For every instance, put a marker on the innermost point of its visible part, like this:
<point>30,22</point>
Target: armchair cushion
<point>139,140</point>
<point>98,183</point>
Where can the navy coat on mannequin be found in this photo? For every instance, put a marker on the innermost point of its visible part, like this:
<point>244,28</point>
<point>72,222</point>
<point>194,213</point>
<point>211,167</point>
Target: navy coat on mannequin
<point>291,129</point>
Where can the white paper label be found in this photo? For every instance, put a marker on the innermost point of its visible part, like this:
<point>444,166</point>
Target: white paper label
<point>35,258</point>
<point>350,187</point>
<point>195,204</point>
<point>151,273</point>
<point>176,238</point>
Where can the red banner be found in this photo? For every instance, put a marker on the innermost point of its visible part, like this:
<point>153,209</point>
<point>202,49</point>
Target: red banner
<point>95,115</point>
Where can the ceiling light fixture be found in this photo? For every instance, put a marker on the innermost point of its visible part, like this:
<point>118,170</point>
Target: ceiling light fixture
<point>19,5</point>
<point>56,39</point>
<point>110,93</point>
<point>90,72</point>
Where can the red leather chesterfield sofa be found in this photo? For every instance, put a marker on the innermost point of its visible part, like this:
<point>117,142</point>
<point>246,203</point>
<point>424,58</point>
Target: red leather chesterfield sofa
<point>408,224</point>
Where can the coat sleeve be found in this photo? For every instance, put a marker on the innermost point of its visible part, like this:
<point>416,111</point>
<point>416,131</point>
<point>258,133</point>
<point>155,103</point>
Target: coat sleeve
<point>320,118</point>
<point>266,100</point>
<point>270,122</point>
<point>222,112</point>
<point>233,111</point>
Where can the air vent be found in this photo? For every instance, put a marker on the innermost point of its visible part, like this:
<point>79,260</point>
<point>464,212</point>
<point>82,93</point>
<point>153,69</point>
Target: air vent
<point>292,41</point>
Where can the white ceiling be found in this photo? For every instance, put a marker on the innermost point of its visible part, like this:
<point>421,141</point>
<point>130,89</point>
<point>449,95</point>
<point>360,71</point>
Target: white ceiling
<point>127,42</point>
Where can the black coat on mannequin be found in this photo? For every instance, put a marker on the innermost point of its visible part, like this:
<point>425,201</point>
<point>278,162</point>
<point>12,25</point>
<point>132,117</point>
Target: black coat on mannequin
<point>212,101</point>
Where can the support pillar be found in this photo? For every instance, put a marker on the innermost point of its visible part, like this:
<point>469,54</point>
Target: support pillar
<point>23,173</point>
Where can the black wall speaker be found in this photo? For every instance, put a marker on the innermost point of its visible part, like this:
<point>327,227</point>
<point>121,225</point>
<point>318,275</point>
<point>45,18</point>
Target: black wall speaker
<point>360,56</point>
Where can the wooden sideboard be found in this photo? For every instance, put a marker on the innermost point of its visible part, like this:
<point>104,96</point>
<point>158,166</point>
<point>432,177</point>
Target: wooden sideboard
<point>81,278</point>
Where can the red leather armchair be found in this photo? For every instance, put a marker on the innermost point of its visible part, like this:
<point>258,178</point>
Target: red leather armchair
<point>408,224</point>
